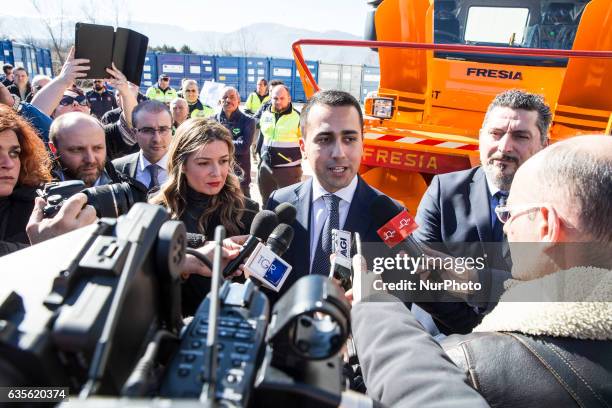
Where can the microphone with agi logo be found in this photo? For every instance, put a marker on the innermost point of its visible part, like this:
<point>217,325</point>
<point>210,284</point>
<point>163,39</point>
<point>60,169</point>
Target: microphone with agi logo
<point>341,265</point>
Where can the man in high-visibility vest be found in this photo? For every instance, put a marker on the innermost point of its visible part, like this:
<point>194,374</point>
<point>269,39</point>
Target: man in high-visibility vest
<point>281,158</point>
<point>257,98</point>
<point>162,91</point>
<point>191,93</point>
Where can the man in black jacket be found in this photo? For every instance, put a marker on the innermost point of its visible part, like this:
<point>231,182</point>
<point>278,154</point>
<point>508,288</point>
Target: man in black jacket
<point>548,341</point>
<point>242,128</point>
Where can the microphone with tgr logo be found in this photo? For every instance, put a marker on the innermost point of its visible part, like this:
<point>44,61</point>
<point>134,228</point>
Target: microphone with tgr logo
<point>263,224</point>
<point>265,263</point>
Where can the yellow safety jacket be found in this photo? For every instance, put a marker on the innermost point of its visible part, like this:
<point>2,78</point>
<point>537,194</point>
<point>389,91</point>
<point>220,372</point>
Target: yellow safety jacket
<point>281,135</point>
<point>254,102</point>
<point>199,110</point>
<point>165,96</point>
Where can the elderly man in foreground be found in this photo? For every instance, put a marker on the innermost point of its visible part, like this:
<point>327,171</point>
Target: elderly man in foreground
<point>548,341</point>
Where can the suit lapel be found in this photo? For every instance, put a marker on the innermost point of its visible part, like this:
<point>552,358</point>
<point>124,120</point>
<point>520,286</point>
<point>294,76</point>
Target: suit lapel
<point>358,218</point>
<point>479,206</point>
<point>133,166</point>
<point>303,202</point>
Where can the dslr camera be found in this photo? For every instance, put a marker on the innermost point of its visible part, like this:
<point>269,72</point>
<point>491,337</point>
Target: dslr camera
<point>109,200</point>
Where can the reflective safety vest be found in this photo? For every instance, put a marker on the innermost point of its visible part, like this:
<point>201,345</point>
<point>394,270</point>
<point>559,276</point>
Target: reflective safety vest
<point>254,102</point>
<point>205,112</point>
<point>166,96</point>
<point>281,135</point>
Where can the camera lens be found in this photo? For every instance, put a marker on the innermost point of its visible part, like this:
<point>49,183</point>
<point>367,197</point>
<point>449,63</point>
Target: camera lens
<point>110,200</point>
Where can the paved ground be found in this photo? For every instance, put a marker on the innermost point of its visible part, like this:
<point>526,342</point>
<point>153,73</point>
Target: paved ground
<point>255,190</point>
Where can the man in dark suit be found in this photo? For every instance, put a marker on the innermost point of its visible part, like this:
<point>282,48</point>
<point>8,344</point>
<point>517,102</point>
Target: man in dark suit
<point>153,123</point>
<point>336,197</point>
<point>458,209</point>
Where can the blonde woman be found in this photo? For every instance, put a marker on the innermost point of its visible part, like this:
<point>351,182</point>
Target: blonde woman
<point>203,191</point>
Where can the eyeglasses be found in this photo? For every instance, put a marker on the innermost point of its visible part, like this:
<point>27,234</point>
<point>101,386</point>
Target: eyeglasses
<point>165,79</point>
<point>505,213</point>
<point>190,90</point>
<point>69,100</point>
<point>162,130</point>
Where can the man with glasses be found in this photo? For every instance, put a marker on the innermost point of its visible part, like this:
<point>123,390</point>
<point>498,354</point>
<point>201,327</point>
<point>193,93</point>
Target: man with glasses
<point>153,123</point>
<point>162,91</point>
<point>458,210</point>
<point>101,100</point>
<point>191,94</point>
<point>547,342</point>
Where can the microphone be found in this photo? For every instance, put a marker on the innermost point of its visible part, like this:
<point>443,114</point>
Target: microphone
<point>209,393</point>
<point>341,266</point>
<point>263,224</point>
<point>280,239</point>
<point>265,263</point>
<point>286,213</point>
<point>397,225</point>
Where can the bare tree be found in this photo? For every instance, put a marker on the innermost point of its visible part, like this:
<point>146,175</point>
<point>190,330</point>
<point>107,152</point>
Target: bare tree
<point>120,12</point>
<point>225,46</point>
<point>90,11</point>
<point>54,22</point>
<point>247,42</point>
<point>242,42</point>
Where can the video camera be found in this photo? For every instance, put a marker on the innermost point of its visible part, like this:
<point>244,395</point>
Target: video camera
<point>111,327</point>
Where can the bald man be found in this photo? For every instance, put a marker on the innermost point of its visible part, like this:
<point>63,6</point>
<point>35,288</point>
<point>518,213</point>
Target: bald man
<point>78,141</point>
<point>548,341</point>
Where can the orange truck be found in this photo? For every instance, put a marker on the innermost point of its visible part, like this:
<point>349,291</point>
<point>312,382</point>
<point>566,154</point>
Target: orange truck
<point>442,62</point>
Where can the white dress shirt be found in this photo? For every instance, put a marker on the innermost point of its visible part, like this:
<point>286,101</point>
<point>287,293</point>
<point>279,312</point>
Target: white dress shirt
<point>144,176</point>
<point>318,210</point>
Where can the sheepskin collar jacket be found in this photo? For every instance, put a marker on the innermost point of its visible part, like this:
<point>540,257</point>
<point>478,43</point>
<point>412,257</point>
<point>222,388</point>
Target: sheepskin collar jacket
<point>556,352</point>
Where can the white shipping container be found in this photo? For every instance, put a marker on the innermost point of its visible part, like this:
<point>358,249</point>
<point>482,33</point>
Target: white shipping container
<point>343,77</point>
<point>351,80</point>
<point>329,76</point>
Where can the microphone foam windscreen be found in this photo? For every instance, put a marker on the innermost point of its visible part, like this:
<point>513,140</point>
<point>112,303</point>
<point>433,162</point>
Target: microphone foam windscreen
<point>263,224</point>
<point>286,213</point>
<point>282,236</point>
<point>383,209</point>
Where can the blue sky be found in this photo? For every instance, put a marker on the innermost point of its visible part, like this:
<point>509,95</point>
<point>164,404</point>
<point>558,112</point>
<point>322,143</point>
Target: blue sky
<point>223,16</point>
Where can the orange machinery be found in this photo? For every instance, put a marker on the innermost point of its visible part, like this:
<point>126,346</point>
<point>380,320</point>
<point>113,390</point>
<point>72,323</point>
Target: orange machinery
<point>442,62</point>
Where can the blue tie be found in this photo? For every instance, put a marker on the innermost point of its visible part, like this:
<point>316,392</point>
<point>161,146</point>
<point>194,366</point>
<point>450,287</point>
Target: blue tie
<point>321,263</point>
<point>153,171</point>
<point>498,227</point>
